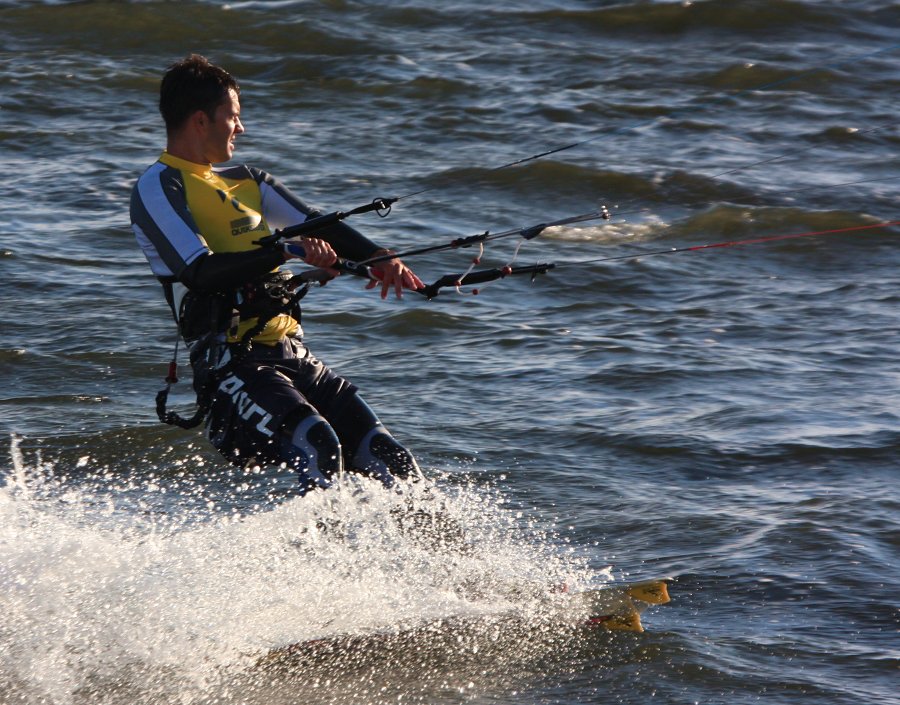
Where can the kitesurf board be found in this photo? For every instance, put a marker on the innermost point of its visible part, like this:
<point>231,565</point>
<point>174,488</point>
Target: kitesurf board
<point>619,607</point>
<point>615,607</point>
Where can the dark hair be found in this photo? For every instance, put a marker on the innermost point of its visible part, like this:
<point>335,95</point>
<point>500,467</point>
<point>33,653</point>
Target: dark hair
<point>190,85</point>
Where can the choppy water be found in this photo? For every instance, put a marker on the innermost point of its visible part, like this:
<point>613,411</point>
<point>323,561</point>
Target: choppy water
<point>727,417</point>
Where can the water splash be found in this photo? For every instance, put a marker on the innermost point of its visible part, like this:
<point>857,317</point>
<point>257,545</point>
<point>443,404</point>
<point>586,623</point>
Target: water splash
<point>135,601</point>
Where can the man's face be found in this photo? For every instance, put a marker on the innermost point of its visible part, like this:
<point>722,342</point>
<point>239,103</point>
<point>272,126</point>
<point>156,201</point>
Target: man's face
<point>219,141</point>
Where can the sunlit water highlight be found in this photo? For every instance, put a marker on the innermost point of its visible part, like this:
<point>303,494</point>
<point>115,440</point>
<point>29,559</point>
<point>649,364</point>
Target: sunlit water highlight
<point>725,416</point>
<point>155,599</point>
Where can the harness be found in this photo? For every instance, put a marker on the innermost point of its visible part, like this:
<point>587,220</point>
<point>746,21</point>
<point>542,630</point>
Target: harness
<point>203,320</point>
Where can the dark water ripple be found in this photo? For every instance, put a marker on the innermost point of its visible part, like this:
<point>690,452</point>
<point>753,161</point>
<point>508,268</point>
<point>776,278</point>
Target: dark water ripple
<point>725,416</point>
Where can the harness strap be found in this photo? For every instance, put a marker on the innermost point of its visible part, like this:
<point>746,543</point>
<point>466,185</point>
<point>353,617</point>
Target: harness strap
<point>267,298</point>
<point>204,394</point>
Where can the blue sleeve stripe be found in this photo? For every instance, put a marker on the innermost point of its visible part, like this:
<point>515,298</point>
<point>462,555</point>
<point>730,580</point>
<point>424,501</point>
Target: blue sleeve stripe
<point>162,223</point>
<point>280,207</point>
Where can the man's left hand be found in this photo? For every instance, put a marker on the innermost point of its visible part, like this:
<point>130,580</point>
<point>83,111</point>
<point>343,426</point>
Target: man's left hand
<point>393,274</point>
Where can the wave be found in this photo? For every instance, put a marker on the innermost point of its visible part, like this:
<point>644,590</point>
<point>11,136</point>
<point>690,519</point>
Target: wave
<point>729,456</point>
<point>752,17</point>
<point>172,29</point>
<point>732,221</point>
<point>752,77</point>
<point>557,180</point>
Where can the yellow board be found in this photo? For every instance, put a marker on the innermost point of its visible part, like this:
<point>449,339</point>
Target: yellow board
<point>615,607</point>
<point>618,607</point>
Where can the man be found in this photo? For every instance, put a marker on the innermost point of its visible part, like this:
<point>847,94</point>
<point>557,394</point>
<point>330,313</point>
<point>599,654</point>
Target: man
<point>269,400</point>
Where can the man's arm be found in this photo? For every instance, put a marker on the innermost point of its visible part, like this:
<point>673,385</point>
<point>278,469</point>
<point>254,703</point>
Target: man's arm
<point>224,271</point>
<point>282,208</point>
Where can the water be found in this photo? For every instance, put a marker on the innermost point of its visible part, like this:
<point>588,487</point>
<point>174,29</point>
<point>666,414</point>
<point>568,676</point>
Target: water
<point>726,417</point>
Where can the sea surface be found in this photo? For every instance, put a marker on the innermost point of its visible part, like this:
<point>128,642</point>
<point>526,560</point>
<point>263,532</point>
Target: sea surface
<point>724,416</point>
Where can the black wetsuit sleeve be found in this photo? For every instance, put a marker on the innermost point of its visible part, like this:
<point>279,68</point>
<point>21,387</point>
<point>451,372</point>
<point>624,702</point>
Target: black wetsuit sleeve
<point>224,271</point>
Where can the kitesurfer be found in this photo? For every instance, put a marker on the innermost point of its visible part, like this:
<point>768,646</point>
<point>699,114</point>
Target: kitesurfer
<point>266,399</point>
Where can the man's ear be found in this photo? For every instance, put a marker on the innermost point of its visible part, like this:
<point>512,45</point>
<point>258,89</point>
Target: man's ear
<point>199,119</point>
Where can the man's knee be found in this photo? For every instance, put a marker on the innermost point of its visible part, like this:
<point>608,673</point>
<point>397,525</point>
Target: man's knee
<point>311,447</point>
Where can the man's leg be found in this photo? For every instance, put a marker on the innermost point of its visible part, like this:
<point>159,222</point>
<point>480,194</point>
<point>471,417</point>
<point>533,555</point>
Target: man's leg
<point>258,416</point>
<point>379,454</point>
<point>369,446</point>
<point>310,445</point>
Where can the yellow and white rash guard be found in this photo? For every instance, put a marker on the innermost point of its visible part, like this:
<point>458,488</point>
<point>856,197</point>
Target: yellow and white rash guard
<point>181,211</point>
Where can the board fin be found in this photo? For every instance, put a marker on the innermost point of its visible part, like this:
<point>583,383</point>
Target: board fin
<point>653,592</point>
<point>623,622</point>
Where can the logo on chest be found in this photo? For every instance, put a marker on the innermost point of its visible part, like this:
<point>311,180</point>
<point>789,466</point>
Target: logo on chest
<point>245,224</point>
